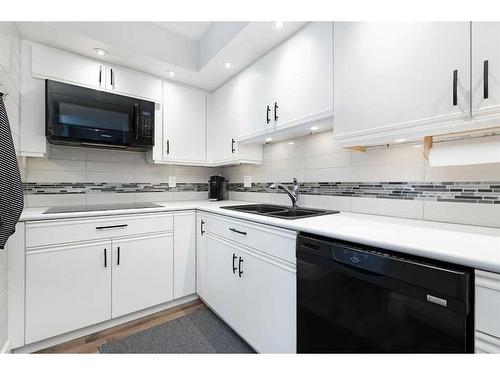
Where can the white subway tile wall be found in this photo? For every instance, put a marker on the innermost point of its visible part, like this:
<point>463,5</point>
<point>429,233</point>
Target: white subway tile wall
<point>315,158</point>
<point>10,82</point>
<point>78,165</point>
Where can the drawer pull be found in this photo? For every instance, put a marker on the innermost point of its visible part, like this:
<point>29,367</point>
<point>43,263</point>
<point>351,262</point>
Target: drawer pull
<point>234,267</point>
<point>237,231</point>
<point>112,226</point>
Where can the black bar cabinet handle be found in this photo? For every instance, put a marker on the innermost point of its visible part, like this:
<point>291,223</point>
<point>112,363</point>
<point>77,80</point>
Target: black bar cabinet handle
<point>118,260</point>
<point>237,231</point>
<point>112,79</point>
<point>275,111</point>
<point>234,267</point>
<point>137,119</point>
<point>232,145</point>
<point>202,231</point>
<point>100,75</point>
<point>105,258</point>
<point>485,79</point>
<point>168,146</point>
<point>455,82</point>
<point>268,120</point>
<point>112,226</point>
<point>240,271</point>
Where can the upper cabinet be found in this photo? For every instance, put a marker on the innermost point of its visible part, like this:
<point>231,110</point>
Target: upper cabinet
<point>131,83</point>
<point>223,119</point>
<point>184,124</point>
<point>485,69</point>
<point>57,65</point>
<point>289,87</point>
<point>50,63</point>
<point>410,80</point>
<point>303,76</point>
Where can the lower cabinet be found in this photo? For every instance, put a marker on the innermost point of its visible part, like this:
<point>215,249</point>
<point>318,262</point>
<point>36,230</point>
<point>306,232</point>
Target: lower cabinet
<point>184,254</point>
<point>201,255</point>
<point>487,306</point>
<point>142,272</point>
<point>67,287</point>
<point>254,292</point>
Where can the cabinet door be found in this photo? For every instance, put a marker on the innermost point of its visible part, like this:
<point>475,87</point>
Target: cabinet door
<point>255,96</point>
<point>485,50</point>
<point>396,79</point>
<point>303,78</point>
<point>67,288</point>
<point>142,272</point>
<point>267,303</point>
<point>221,291</point>
<point>222,123</point>
<point>49,63</point>
<point>131,83</point>
<point>201,255</point>
<point>184,254</point>
<point>184,123</point>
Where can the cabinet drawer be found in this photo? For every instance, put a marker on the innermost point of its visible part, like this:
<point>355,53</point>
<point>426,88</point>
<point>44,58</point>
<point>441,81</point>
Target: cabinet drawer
<point>273,241</point>
<point>486,344</point>
<point>488,303</point>
<point>42,233</point>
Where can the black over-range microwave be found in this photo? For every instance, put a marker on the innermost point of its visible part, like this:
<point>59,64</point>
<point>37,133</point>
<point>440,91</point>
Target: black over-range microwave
<point>85,117</point>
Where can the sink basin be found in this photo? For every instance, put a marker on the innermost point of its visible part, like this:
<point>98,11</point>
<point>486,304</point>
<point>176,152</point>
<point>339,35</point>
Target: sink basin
<point>282,212</point>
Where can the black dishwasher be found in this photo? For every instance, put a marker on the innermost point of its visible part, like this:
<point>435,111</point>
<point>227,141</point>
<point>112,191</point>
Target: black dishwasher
<point>353,298</point>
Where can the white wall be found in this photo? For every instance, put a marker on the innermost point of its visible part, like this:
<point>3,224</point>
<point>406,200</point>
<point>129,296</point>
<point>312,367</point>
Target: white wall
<point>315,158</point>
<point>10,81</point>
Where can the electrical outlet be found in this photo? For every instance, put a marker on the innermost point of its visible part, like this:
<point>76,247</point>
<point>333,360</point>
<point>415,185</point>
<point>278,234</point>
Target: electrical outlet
<point>247,181</point>
<point>171,181</point>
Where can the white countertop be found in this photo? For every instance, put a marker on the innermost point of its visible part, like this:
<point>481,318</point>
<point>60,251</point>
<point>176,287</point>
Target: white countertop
<point>478,247</point>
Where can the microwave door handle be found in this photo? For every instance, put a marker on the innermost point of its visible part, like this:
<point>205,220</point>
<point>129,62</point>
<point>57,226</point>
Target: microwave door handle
<point>136,113</point>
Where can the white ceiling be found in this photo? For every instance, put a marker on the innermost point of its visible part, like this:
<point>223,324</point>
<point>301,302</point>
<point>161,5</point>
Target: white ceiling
<point>194,51</point>
<point>191,30</point>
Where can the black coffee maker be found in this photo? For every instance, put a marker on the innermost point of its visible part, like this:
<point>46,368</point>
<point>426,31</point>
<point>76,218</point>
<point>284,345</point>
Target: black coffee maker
<point>217,188</point>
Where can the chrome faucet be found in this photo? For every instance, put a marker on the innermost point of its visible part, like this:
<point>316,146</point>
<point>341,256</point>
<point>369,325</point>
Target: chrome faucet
<point>294,194</point>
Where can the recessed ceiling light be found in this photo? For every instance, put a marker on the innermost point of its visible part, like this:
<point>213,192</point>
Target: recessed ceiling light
<point>400,140</point>
<point>170,73</point>
<point>291,143</point>
<point>100,51</point>
<point>227,65</point>
<point>267,140</point>
<point>278,25</point>
<point>314,128</point>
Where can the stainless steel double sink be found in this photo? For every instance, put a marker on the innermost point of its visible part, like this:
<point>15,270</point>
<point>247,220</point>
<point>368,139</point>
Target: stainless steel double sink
<point>281,212</point>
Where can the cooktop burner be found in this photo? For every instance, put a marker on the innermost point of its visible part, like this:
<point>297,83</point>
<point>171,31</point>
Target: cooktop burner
<point>101,207</point>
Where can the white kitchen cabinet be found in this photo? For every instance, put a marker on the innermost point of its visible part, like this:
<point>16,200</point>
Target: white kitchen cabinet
<point>221,289</point>
<point>184,254</point>
<point>184,124</point>
<point>128,82</point>
<point>487,311</point>
<point>54,64</point>
<point>201,255</point>
<point>395,80</point>
<point>267,302</point>
<point>222,125</point>
<point>142,272</point>
<point>67,287</point>
<point>486,82</point>
<point>255,104</point>
<point>252,290</point>
<point>303,76</point>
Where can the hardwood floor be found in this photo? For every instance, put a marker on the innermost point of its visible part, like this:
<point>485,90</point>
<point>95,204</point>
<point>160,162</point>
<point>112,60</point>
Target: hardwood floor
<point>91,343</point>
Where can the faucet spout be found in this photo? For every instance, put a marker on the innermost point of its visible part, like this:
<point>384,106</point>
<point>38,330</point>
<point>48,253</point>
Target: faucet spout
<point>294,194</point>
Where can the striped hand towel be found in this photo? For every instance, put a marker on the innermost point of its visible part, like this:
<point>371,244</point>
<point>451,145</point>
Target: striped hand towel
<point>11,190</point>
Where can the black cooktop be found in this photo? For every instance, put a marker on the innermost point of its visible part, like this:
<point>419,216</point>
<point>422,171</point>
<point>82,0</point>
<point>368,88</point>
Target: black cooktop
<point>101,207</point>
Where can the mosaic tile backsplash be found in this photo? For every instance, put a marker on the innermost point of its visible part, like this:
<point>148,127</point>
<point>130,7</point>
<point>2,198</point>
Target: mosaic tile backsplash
<point>487,192</point>
<point>468,192</point>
